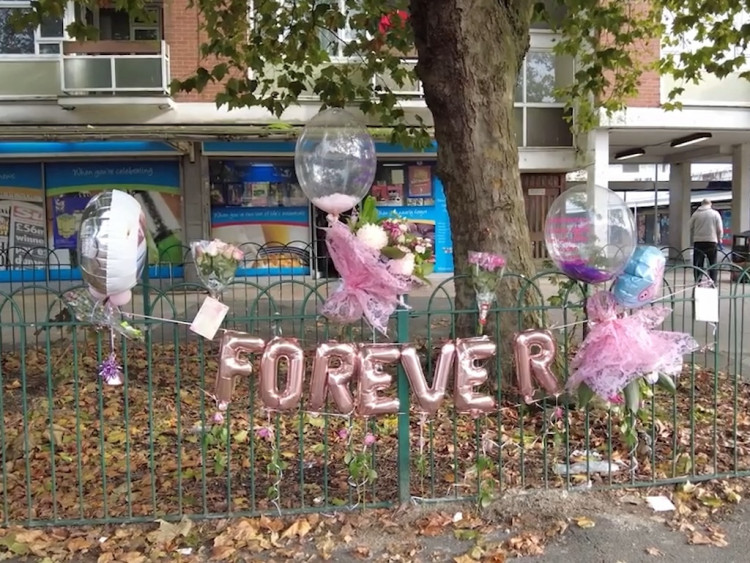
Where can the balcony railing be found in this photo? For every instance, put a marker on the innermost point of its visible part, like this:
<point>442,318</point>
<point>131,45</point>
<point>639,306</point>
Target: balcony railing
<point>115,67</point>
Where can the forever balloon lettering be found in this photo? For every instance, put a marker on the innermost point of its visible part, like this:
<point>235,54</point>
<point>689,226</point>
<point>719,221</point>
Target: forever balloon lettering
<point>339,367</point>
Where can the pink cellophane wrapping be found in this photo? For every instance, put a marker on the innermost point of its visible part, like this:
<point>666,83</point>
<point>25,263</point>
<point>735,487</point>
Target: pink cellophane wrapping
<point>619,349</point>
<point>367,287</point>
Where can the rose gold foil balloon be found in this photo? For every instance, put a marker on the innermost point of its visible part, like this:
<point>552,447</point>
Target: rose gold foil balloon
<point>470,376</point>
<point>333,381</point>
<point>270,394</point>
<point>372,379</point>
<point>428,398</point>
<point>535,351</point>
<point>234,361</point>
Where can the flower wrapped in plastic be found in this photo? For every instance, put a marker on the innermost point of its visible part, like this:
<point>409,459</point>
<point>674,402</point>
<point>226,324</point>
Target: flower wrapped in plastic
<point>216,262</point>
<point>379,261</point>
<point>102,315</point>
<point>486,273</point>
<point>405,252</point>
<point>619,349</point>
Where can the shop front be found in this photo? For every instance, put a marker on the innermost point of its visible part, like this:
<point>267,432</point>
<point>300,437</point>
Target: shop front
<point>256,202</point>
<point>44,188</point>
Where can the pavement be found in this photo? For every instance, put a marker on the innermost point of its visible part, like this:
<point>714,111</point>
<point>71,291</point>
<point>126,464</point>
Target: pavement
<point>613,532</point>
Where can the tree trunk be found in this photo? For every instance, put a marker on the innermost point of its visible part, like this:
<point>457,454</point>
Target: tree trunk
<point>470,52</point>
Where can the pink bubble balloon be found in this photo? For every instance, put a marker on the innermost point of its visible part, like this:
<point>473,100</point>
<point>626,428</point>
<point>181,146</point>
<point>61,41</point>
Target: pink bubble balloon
<point>120,299</point>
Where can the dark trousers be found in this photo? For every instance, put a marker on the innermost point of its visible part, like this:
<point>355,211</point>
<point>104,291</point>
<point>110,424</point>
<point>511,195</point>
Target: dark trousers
<point>703,251</point>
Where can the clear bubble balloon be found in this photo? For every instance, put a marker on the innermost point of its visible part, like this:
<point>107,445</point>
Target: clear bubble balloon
<point>112,245</point>
<point>335,161</point>
<point>590,234</point>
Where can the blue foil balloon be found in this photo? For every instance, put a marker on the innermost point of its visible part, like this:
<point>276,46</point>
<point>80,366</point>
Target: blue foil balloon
<point>642,279</point>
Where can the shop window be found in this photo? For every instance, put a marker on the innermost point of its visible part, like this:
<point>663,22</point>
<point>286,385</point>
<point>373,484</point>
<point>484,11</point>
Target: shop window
<point>260,207</point>
<point>404,185</point>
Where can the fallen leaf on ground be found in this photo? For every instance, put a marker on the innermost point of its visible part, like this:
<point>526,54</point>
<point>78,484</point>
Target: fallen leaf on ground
<point>168,532</point>
<point>654,551</point>
<point>712,537</point>
<point>526,544</point>
<point>132,557</point>
<point>361,552</point>
<point>78,544</point>
<point>222,552</point>
<point>299,528</point>
<point>584,522</point>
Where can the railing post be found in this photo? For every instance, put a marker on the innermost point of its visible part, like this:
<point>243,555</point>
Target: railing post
<point>146,287</point>
<point>404,461</point>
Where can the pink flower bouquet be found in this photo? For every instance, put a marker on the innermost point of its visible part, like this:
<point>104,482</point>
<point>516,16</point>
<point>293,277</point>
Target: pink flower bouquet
<point>216,262</point>
<point>486,272</point>
<point>405,252</point>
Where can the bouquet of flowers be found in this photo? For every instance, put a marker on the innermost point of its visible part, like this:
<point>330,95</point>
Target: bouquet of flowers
<point>216,262</point>
<point>405,252</point>
<point>486,272</point>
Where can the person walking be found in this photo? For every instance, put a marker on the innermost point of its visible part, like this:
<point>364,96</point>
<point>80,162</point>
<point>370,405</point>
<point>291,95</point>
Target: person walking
<point>706,232</point>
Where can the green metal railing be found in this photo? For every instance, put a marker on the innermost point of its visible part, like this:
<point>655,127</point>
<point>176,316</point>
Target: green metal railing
<point>75,451</point>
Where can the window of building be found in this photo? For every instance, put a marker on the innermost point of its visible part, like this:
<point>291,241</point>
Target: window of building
<point>335,42</point>
<point>44,40</point>
<point>554,14</point>
<point>539,116</point>
<point>48,37</point>
<point>119,25</point>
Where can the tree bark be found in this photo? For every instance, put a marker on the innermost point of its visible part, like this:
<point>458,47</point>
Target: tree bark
<point>470,52</point>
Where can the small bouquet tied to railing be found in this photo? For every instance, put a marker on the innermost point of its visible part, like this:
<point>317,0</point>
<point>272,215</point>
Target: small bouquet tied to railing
<point>487,271</point>
<point>216,262</point>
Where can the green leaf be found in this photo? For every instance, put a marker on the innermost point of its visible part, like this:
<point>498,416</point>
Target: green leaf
<point>316,421</point>
<point>633,396</point>
<point>392,253</point>
<point>369,211</point>
<point>667,383</point>
<point>585,394</point>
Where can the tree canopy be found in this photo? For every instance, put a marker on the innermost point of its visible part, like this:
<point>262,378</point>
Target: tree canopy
<point>272,53</point>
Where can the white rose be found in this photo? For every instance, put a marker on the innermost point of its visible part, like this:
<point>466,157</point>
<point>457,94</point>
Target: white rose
<point>373,236</point>
<point>401,239</point>
<point>213,248</point>
<point>403,227</point>
<point>419,249</point>
<point>403,266</point>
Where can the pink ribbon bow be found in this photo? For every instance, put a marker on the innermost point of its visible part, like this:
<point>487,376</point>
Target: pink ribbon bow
<point>367,287</point>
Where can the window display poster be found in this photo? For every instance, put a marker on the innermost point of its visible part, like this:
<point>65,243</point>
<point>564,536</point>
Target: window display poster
<point>23,241</point>
<point>275,238</point>
<point>431,222</point>
<point>253,184</point>
<point>403,184</point>
<point>155,184</point>
<point>388,187</point>
<point>420,181</point>
<point>726,221</point>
